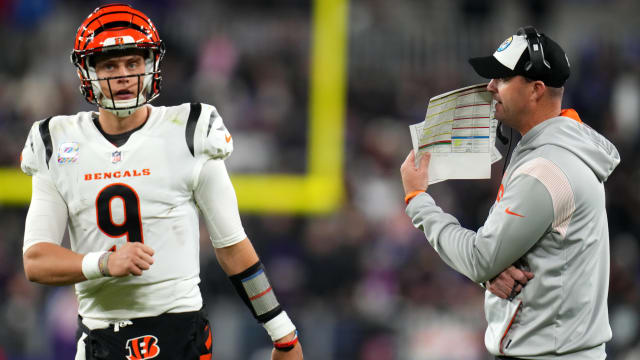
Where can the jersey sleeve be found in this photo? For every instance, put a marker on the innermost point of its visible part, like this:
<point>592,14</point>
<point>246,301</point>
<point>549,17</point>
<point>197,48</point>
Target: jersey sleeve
<point>212,137</point>
<point>514,225</point>
<point>47,216</point>
<point>33,159</point>
<point>217,201</point>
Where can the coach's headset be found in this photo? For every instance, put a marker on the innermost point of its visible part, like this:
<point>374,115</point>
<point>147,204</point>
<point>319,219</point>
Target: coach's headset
<point>536,65</point>
<point>537,62</point>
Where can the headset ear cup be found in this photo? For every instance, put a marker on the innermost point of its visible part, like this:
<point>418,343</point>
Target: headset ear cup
<point>537,64</point>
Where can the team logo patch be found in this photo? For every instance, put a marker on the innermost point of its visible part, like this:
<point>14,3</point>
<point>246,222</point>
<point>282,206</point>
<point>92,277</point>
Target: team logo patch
<point>505,44</point>
<point>143,347</point>
<point>68,153</point>
<point>116,157</point>
<point>118,40</point>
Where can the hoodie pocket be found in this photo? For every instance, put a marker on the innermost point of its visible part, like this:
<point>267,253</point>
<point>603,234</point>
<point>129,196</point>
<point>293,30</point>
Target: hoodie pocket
<point>501,315</point>
<point>505,344</point>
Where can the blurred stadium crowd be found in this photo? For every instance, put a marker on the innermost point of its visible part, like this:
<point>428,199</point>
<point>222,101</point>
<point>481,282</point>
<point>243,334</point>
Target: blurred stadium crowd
<point>361,283</point>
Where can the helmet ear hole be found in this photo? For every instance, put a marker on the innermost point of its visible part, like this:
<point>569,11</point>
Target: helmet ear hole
<point>87,91</point>
<point>156,84</point>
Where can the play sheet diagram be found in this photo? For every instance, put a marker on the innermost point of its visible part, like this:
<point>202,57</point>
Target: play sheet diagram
<point>459,132</point>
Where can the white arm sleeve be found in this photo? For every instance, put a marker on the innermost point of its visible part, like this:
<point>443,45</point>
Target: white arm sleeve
<point>47,216</point>
<point>217,201</point>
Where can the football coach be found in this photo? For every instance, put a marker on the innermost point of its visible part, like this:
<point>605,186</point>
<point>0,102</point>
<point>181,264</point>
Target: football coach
<point>549,216</point>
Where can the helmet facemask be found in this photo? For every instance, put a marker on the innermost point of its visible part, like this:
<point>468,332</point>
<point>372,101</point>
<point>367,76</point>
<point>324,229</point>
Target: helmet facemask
<point>104,98</point>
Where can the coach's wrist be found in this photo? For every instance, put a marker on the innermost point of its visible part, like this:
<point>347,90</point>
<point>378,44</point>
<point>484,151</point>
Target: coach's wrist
<point>410,195</point>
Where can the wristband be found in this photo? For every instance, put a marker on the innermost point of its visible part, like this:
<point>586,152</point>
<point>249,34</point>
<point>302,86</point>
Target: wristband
<point>411,195</point>
<point>91,265</point>
<point>287,346</point>
<point>279,326</point>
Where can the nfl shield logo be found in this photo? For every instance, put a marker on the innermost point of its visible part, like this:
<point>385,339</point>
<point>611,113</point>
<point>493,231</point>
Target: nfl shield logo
<point>116,156</point>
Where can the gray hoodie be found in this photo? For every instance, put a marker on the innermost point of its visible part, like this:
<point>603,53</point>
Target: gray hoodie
<point>549,217</point>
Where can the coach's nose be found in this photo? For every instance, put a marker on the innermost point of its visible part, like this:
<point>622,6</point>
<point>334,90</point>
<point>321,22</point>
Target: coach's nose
<point>491,86</point>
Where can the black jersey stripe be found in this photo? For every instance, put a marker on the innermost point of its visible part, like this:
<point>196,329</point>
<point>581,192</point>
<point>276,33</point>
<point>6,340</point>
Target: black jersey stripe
<point>211,118</point>
<point>192,121</point>
<point>46,139</point>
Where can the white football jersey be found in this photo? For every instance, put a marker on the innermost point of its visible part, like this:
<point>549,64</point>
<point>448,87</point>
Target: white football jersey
<point>141,191</point>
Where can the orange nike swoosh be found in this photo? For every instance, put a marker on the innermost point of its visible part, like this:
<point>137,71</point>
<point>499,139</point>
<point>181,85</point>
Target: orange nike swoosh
<point>512,213</point>
<point>227,137</point>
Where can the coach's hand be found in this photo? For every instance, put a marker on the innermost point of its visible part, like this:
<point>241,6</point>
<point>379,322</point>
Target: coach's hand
<point>293,354</point>
<point>415,178</point>
<point>509,283</point>
<point>131,259</point>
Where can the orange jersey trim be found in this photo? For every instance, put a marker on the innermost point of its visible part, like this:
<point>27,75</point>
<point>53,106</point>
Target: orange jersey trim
<point>570,113</point>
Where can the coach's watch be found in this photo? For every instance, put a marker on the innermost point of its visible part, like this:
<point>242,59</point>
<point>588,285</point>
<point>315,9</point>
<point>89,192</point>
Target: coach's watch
<point>287,346</point>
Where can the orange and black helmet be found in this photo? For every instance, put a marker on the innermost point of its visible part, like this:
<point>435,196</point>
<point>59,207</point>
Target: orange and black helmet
<point>117,28</point>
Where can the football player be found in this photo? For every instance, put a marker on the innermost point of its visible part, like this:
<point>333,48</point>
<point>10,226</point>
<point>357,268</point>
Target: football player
<point>129,180</point>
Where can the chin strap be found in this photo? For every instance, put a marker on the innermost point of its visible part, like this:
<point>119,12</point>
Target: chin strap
<point>122,108</point>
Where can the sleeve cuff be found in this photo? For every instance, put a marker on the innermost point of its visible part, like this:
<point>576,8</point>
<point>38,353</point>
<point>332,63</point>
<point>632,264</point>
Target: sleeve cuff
<point>417,203</point>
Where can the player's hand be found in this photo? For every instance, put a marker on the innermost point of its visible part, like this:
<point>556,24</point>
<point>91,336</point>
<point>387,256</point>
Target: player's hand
<point>293,354</point>
<point>509,283</point>
<point>415,178</point>
<point>131,259</point>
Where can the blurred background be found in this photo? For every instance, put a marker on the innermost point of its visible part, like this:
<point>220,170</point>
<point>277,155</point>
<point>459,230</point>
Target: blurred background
<point>359,281</point>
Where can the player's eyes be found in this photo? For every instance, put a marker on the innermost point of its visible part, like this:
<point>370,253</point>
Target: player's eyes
<point>135,65</point>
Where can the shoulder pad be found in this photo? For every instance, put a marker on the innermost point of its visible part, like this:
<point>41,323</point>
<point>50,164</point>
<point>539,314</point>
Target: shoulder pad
<point>37,149</point>
<point>216,141</point>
